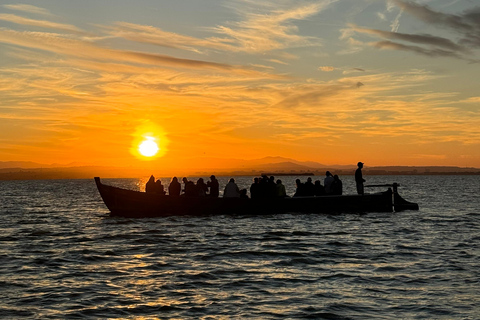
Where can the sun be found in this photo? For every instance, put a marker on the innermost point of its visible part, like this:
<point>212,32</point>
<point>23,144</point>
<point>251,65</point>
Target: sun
<point>149,142</point>
<point>148,147</point>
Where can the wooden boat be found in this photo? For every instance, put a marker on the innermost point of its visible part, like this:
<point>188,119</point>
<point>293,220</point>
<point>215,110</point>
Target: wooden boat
<point>129,203</point>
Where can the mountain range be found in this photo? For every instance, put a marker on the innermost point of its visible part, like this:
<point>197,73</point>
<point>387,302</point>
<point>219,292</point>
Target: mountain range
<point>25,170</point>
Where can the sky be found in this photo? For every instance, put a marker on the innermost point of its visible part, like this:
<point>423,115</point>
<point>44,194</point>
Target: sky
<point>386,82</point>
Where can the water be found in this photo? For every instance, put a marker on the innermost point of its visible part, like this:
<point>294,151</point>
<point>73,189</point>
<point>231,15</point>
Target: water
<point>63,257</point>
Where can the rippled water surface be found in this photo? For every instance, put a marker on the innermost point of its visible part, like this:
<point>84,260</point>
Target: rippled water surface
<point>63,256</point>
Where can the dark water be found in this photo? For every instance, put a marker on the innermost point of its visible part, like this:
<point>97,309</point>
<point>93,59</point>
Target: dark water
<point>63,257</point>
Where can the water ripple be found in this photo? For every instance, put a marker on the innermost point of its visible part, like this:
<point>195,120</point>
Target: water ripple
<point>64,257</point>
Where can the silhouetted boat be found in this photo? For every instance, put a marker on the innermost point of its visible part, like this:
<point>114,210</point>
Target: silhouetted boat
<point>129,203</point>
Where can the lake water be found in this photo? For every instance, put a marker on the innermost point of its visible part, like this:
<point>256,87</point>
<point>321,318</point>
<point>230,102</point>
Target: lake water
<point>63,257</point>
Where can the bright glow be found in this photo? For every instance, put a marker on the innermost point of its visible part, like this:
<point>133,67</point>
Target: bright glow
<point>260,80</point>
<point>149,141</point>
<point>148,147</point>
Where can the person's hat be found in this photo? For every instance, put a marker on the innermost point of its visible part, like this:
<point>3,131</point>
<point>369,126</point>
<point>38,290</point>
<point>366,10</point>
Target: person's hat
<point>359,163</point>
<point>212,176</point>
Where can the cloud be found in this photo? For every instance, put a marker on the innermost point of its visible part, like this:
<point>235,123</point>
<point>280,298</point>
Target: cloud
<point>157,36</point>
<point>263,27</point>
<point>271,29</point>
<point>466,24</point>
<point>39,23</point>
<point>278,61</point>
<point>416,49</point>
<point>27,8</point>
<point>428,15</point>
<point>423,39</point>
<point>396,22</point>
<point>352,70</point>
<point>326,69</point>
<point>86,50</point>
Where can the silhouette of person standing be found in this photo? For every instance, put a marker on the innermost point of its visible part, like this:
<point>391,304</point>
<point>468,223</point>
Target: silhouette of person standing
<point>359,178</point>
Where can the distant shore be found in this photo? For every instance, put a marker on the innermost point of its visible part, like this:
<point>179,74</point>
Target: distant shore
<point>104,172</point>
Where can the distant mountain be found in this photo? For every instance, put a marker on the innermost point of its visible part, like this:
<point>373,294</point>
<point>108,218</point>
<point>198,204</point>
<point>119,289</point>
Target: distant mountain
<point>22,164</point>
<point>203,167</point>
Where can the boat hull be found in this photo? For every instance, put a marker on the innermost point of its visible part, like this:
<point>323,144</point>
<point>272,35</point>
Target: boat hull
<point>129,203</point>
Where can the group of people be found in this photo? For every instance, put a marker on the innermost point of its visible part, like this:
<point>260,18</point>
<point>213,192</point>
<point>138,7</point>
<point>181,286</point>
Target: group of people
<point>267,187</point>
<point>190,189</point>
<point>262,187</point>
<point>332,185</point>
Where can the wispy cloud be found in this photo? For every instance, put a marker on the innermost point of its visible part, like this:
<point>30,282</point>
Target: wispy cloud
<point>28,8</point>
<point>467,25</point>
<point>326,68</point>
<point>38,23</point>
<point>86,50</point>
<point>435,52</point>
<point>424,39</point>
<point>157,36</point>
<point>256,32</point>
<point>272,30</point>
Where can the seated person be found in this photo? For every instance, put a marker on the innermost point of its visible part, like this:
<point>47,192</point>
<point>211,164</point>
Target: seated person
<point>150,186</point>
<point>201,188</point>
<point>280,189</point>
<point>214,186</point>
<point>174,188</point>
<point>159,187</point>
<point>231,190</point>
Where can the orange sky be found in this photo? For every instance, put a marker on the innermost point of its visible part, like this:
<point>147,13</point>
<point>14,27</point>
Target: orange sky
<point>328,81</point>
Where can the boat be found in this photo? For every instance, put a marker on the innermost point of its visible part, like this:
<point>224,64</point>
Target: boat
<point>133,204</point>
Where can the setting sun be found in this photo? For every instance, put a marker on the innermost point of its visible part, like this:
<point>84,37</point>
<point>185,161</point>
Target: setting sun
<point>149,142</point>
<point>148,147</point>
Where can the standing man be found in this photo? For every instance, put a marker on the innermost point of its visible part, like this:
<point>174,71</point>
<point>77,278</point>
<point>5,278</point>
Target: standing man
<point>359,178</point>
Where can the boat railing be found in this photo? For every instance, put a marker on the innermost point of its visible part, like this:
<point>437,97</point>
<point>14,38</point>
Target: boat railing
<point>394,186</point>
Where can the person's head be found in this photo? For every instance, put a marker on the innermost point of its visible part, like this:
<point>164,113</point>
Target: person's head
<point>272,178</point>
<point>279,181</point>
<point>317,182</point>
<point>212,177</point>
<point>232,180</point>
<point>336,177</point>
<point>174,179</point>
<point>360,164</point>
<point>184,179</point>
<point>255,180</point>
<point>309,179</point>
<point>200,180</point>
<point>152,178</point>
<point>328,173</point>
